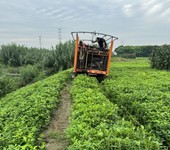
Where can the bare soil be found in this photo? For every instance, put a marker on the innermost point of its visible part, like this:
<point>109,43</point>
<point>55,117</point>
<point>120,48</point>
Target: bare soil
<point>55,137</point>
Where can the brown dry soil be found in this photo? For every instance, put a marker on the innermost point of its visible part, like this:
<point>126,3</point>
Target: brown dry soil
<point>54,136</point>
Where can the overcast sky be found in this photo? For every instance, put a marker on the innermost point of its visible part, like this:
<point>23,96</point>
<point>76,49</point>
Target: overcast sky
<point>134,22</point>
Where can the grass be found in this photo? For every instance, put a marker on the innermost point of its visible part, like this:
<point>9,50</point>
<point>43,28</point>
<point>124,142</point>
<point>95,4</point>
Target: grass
<point>56,135</point>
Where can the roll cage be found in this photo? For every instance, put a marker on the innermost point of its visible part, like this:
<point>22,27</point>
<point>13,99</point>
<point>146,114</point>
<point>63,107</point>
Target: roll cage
<point>108,38</point>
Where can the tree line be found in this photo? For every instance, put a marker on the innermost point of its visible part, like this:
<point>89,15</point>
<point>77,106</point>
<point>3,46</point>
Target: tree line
<point>159,55</point>
<point>134,51</point>
<point>21,65</point>
<point>59,57</point>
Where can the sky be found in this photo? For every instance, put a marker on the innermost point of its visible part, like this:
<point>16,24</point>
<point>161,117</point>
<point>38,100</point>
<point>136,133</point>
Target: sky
<point>134,22</point>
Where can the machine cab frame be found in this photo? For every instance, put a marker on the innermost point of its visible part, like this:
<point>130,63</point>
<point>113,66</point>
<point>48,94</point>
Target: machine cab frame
<point>89,57</point>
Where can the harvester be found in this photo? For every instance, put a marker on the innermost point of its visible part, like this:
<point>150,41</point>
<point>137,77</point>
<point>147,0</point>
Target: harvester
<point>92,53</point>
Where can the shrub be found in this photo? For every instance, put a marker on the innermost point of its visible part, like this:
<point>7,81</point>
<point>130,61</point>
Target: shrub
<point>60,58</point>
<point>19,55</point>
<point>139,51</point>
<point>25,112</point>
<point>160,57</point>
<point>129,56</point>
<point>7,85</point>
<point>11,54</point>
<point>28,74</point>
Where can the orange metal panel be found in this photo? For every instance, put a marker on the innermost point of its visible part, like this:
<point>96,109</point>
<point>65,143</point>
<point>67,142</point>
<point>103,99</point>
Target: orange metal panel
<point>76,53</point>
<point>78,70</point>
<point>109,58</point>
<point>96,72</point>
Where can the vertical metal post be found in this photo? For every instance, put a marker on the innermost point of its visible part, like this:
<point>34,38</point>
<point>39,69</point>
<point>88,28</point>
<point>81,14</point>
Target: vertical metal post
<point>109,58</point>
<point>76,53</point>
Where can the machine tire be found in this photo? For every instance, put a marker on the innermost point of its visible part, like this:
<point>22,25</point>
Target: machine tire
<point>100,78</point>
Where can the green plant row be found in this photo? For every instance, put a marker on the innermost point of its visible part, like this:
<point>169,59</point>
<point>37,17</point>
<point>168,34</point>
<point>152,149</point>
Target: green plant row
<point>25,112</point>
<point>95,124</point>
<point>143,96</point>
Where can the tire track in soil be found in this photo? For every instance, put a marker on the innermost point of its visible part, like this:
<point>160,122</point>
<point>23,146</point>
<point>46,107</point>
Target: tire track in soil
<point>54,136</point>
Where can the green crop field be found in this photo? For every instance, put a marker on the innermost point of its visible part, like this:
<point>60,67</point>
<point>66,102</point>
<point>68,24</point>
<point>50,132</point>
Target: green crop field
<point>25,112</point>
<point>142,95</point>
<point>128,110</point>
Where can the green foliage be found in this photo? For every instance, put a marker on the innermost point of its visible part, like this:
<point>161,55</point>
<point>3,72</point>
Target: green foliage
<point>27,111</point>
<point>12,78</point>
<point>33,64</point>
<point>134,51</point>
<point>129,56</point>
<point>160,57</point>
<point>142,96</point>
<point>7,85</point>
<point>60,58</point>
<point>12,54</point>
<point>57,59</point>
<point>95,123</point>
<point>28,74</point>
<point>17,55</point>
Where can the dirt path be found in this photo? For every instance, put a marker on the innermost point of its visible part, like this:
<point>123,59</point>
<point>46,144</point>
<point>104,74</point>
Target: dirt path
<point>54,136</point>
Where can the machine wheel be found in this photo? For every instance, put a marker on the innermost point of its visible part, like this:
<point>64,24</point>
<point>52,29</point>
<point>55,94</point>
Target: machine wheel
<point>100,78</point>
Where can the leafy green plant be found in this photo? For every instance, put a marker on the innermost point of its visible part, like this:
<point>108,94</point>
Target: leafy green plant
<point>11,54</point>
<point>60,58</point>
<point>19,55</point>
<point>28,74</point>
<point>7,85</point>
<point>129,56</point>
<point>95,124</point>
<point>160,57</point>
<point>25,112</point>
<point>142,96</point>
<point>134,51</point>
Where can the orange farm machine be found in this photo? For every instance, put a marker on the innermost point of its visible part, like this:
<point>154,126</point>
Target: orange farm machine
<point>92,53</point>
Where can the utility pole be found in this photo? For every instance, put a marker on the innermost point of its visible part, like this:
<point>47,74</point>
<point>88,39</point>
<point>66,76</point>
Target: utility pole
<point>40,41</point>
<point>59,34</point>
